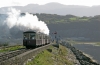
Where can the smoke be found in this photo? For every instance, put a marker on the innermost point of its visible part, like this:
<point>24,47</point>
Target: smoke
<point>25,22</point>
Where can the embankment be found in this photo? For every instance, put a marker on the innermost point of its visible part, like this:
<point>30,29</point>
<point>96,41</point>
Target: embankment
<point>83,59</point>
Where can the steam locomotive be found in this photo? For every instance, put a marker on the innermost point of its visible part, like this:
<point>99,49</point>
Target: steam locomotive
<point>32,39</point>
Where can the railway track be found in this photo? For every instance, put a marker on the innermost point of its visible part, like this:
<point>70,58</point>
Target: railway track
<point>18,57</point>
<point>8,55</point>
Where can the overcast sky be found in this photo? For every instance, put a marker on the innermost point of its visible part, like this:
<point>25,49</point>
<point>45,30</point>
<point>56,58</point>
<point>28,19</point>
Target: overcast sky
<point>4,3</point>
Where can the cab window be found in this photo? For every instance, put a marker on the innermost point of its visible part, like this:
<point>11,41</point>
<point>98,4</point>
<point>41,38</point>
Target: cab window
<point>26,36</point>
<point>32,35</point>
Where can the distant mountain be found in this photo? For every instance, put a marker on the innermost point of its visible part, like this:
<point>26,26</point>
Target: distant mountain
<point>60,9</point>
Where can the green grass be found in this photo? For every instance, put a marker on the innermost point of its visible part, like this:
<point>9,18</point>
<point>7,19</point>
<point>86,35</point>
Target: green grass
<point>73,19</point>
<point>10,48</point>
<point>78,19</point>
<point>84,19</point>
<point>44,58</point>
<point>51,56</point>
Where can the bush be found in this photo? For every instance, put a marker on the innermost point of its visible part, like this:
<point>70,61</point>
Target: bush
<point>5,44</point>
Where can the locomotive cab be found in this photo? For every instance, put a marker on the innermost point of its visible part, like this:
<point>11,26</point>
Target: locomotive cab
<point>29,39</point>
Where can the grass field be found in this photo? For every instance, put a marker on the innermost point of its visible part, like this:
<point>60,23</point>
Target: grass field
<point>52,56</point>
<point>10,48</point>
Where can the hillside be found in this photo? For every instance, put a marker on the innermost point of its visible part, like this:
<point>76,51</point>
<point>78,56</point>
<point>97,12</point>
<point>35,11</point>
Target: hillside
<point>74,27</point>
<point>67,27</point>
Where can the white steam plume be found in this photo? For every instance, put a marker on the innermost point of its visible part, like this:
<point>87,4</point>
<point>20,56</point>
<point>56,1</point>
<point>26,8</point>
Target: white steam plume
<point>26,22</point>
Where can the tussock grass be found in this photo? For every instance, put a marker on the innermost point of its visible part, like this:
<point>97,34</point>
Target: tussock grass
<point>10,48</point>
<point>52,56</point>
